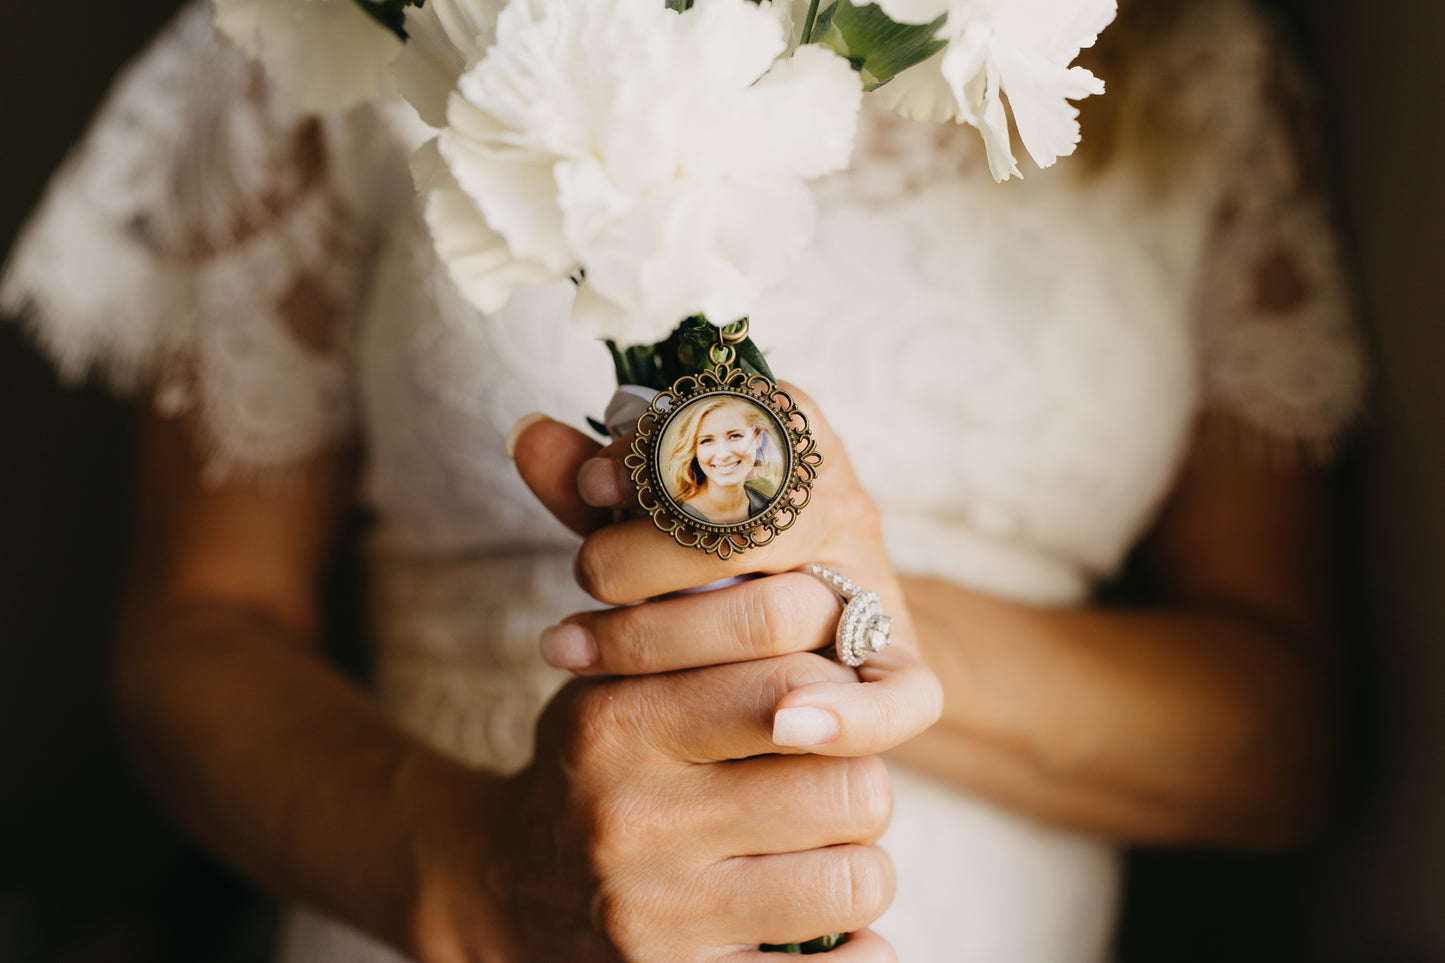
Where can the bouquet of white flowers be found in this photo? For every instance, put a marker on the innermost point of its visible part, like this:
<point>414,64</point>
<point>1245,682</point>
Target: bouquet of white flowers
<point>656,152</point>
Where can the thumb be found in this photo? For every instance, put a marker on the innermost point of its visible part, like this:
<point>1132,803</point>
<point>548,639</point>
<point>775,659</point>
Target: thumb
<point>548,455</point>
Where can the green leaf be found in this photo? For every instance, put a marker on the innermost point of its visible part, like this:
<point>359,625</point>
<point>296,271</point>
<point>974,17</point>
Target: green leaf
<point>810,22</point>
<point>751,359</point>
<point>696,339</point>
<point>686,351</point>
<point>391,14</point>
<point>877,47</point>
<point>620,364</point>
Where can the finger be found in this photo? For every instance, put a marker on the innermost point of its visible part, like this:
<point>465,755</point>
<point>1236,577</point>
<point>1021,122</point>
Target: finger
<point>795,897</point>
<point>757,619</point>
<point>704,715</point>
<point>862,947</point>
<point>632,561</point>
<point>789,804</point>
<point>549,456</point>
<point>604,481</point>
<point>900,698</point>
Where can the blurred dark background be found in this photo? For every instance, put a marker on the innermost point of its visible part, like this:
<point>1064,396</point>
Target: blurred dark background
<point>90,872</point>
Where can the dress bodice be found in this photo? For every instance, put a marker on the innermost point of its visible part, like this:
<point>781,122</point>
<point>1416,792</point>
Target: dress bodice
<point>1013,369</point>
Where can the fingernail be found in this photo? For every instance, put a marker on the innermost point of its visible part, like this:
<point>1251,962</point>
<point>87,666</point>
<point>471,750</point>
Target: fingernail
<point>804,726</point>
<point>598,483</point>
<point>523,423</point>
<point>568,647</point>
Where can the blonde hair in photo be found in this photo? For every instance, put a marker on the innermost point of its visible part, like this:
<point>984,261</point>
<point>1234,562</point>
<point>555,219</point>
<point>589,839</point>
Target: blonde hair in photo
<point>681,472</point>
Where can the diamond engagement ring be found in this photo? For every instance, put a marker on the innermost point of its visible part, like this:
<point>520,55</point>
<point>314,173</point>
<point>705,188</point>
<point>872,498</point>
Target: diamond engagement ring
<point>864,628</point>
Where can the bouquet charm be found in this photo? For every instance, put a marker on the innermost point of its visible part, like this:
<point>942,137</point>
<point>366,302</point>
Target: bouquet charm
<point>723,459</point>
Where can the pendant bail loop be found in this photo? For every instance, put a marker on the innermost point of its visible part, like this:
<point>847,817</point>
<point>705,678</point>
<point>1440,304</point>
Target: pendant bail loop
<point>723,353</point>
<point>734,333</point>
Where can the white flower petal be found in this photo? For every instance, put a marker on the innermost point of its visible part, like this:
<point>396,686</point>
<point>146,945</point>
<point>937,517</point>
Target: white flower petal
<point>1038,96</point>
<point>998,144</point>
<point>514,188</point>
<point>758,230</point>
<point>470,25</point>
<point>478,259</point>
<point>921,93</point>
<point>792,15</point>
<point>914,11</point>
<point>639,145</point>
<point>965,66</point>
<point>323,54</point>
<point>426,72</point>
<point>730,44</point>
<point>1014,49</point>
<point>798,120</point>
<point>1077,26</point>
<point>597,317</point>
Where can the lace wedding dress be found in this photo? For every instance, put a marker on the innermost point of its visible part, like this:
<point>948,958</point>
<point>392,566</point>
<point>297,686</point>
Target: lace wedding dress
<point>1015,370</point>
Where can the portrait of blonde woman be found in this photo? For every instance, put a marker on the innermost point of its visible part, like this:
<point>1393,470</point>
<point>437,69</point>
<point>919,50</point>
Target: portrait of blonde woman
<point>723,459</point>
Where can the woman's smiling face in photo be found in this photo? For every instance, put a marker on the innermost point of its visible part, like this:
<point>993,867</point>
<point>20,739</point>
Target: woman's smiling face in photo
<point>725,443</point>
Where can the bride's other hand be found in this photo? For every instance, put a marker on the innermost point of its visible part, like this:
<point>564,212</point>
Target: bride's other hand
<point>783,613</point>
<point>658,824</point>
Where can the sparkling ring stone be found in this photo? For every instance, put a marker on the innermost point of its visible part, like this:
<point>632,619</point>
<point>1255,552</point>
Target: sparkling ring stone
<point>863,629</point>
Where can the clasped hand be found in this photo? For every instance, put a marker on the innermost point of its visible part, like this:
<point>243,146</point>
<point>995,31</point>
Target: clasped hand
<point>709,783</point>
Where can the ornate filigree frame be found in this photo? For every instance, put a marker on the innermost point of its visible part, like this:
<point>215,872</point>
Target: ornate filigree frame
<point>756,530</point>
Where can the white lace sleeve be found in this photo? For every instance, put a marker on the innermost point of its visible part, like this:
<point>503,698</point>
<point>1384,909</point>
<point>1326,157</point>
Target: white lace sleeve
<point>1280,348</point>
<point>208,245</point>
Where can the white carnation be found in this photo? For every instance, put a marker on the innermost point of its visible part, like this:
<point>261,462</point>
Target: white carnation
<point>1019,49</point>
<point>323,54</point>
<point>659,156</point>
<point>444,38</point>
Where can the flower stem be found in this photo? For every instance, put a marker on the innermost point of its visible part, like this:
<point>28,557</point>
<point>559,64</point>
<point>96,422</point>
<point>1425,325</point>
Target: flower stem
<point>809,22</point>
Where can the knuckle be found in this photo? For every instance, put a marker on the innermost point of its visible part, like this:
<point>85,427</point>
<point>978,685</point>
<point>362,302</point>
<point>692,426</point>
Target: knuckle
<point>889,724</point>
<point>869,796</point>
<point>865,884</point>
<point>635,642</point>
<point>595,569</point>
<point>776,616</point>
<point>930,696</point>
<point>624,828</point>
<point>644,919</point>
<point>593,728</point>
<point>853,505</point>
<point>616,915</point>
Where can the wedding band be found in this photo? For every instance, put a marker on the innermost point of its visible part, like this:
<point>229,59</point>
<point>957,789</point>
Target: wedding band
<point>863,629</point>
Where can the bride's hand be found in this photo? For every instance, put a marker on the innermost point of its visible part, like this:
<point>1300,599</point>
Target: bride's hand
<point>717,785</point>
<point>784,613</point>
<point>657,824</point>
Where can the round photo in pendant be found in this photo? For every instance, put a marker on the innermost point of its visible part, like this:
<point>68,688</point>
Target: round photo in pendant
<point>722,459</point>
